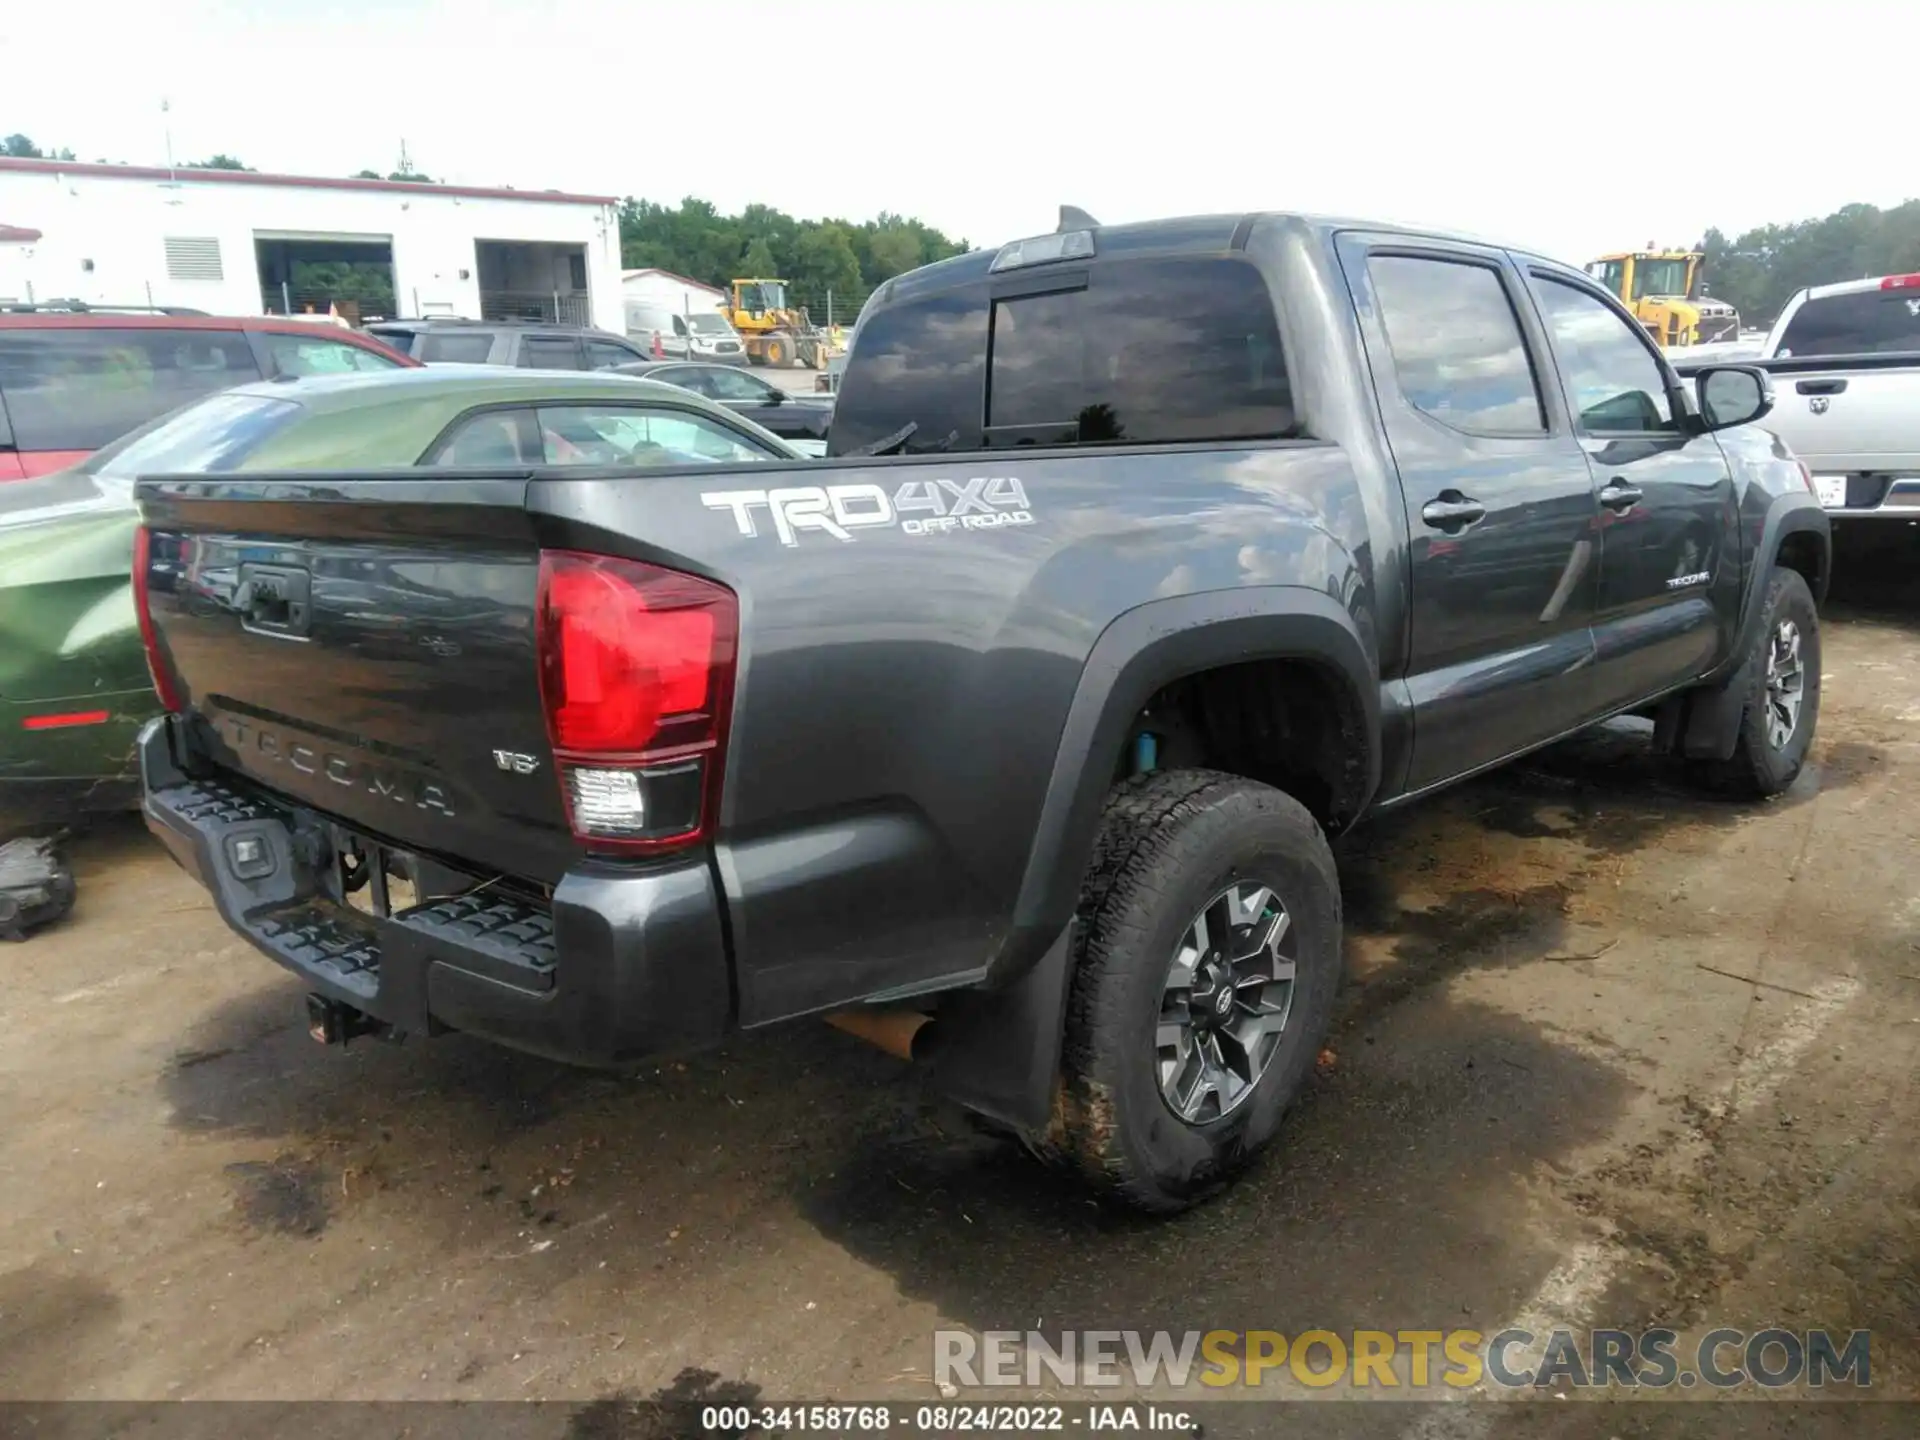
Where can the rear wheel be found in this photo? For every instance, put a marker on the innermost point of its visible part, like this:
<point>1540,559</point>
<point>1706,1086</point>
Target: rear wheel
<point>1782,705</point>
<point>1207,960</point>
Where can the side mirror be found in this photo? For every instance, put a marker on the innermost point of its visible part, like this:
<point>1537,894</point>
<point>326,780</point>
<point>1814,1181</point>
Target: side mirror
<point>775,396</point>
<point>1732,395</point>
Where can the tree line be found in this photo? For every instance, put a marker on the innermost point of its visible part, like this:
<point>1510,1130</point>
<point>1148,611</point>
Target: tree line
<point>814,257</point>
<point>1759,271</point>
<point>1756,272</point>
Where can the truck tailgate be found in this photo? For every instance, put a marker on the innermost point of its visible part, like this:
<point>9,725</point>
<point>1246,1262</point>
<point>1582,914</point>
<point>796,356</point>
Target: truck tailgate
<point>367,647</point>
<point>1847,418</point>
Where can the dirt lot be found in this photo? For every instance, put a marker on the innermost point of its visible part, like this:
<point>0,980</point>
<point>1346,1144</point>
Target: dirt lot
<point>1608,1053</point>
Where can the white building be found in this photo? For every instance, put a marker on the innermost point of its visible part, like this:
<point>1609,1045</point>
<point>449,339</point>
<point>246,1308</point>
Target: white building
<point>240,243</point>
<point>665,293</point>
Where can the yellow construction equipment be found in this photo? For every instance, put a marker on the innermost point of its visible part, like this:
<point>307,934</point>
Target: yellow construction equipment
<point>775,333</point>
<point>1663,289</point>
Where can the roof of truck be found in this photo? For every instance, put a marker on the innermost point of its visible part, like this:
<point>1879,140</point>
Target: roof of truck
<point>1186,234</point>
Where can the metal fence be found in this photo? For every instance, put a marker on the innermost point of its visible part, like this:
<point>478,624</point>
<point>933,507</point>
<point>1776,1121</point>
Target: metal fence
<point>296,300</point>
<point>555,307</point>
<point>828,307</point>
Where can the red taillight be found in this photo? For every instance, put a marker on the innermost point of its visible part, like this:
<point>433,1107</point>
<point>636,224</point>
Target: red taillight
<point>1901,282</point>
<point>636,673</point>
<point>65,720</point>
<point>156,667</point>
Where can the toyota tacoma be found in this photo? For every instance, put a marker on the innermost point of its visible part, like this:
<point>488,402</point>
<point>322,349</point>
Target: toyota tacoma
<point>1010,734</point>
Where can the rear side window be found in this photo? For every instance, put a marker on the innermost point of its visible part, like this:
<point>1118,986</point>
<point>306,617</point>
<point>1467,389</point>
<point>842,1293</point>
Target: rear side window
<point>549,352</point>
<point>1147,352</point>
<point>401,340</point>
<point>1458,353</point>
<point>921,363</point>
<point>632,435</point>
<point>604,355</point>
<point>77,389</point>
<point>1867,322</point>
<point>489,439</point>
<point>440,347</point>
<point>317,355</point>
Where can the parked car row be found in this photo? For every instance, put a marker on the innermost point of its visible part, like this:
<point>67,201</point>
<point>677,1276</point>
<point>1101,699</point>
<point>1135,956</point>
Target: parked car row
<point>71,382</point>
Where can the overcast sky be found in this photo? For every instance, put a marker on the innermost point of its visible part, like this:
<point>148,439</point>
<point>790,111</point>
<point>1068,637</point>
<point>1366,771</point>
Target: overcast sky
<point>1568,128</point>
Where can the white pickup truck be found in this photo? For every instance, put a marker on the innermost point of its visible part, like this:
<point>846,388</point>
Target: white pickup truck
<point>1845,361</point>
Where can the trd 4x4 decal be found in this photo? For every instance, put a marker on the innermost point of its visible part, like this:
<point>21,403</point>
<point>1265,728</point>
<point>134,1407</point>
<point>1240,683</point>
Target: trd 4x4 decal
<point>918,507</point>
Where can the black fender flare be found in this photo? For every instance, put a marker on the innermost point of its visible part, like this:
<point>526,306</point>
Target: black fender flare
<point>1712,724</point>
<point>1147,648</point>
<point>997,1049</point>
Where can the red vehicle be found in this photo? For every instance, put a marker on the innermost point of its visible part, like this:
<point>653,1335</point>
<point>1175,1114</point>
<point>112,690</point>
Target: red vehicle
<point>72,380</point>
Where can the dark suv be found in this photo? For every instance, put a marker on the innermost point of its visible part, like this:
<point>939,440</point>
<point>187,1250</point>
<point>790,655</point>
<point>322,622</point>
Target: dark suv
<point>73,380</point>
<point>528,345</point>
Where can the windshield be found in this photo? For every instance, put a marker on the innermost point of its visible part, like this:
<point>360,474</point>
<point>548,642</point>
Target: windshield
<point>707,324</point>
<point>216,434</point>
<point>766,295</point>
<point>1659,277</point>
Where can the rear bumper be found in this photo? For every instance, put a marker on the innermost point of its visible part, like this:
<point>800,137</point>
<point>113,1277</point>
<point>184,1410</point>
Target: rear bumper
<point>622,965</point>
<point>1879,497</point>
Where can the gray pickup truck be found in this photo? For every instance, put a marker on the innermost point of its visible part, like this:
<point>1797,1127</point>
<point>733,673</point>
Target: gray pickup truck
<point>1011,733</point>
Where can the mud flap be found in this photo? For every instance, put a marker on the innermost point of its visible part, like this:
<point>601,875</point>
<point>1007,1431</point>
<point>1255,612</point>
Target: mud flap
<point>998,1051</point>
<point>36,887</point>
<point>1711,727</point>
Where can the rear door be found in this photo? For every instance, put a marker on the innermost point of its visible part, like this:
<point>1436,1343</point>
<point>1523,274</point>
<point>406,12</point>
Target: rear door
<point>1500,505</point>
<point>1668,585</point>
<point>72,388</point>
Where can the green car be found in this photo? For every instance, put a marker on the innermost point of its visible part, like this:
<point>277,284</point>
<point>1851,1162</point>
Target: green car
<point>74,688</point>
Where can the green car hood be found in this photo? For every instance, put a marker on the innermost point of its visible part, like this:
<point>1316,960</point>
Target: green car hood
<point>67,626</point>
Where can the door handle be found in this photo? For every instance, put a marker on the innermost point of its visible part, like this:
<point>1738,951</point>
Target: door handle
<point>1820,387</point>
<point>1620,497</point>
<point>1451,511</point>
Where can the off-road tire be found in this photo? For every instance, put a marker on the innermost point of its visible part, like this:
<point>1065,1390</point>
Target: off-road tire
<point>1757,770</point>
<point>1168,842</point>
<point>777,354</point>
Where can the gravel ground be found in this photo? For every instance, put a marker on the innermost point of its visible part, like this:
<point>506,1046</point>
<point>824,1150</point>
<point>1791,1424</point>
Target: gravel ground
<point>1608,1052</point>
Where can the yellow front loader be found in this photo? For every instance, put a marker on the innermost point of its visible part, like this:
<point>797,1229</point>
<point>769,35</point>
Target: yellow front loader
<point>774,332</point>
<point>1662,288</point>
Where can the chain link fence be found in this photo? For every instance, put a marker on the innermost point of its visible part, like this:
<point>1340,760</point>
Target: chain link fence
<point>829,307</point>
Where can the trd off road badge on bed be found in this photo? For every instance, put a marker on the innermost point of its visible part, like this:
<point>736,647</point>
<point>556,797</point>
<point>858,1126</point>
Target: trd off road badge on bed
<point>919,507</point>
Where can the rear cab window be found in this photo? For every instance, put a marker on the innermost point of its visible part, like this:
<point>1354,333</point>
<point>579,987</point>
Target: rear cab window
<point>79,387</point>
<point>1137,350</point>
<point>1864,322</point>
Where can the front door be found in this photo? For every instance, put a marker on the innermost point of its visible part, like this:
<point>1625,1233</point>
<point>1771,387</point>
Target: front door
<point>1499,502</point>
<point>1667,583</point>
